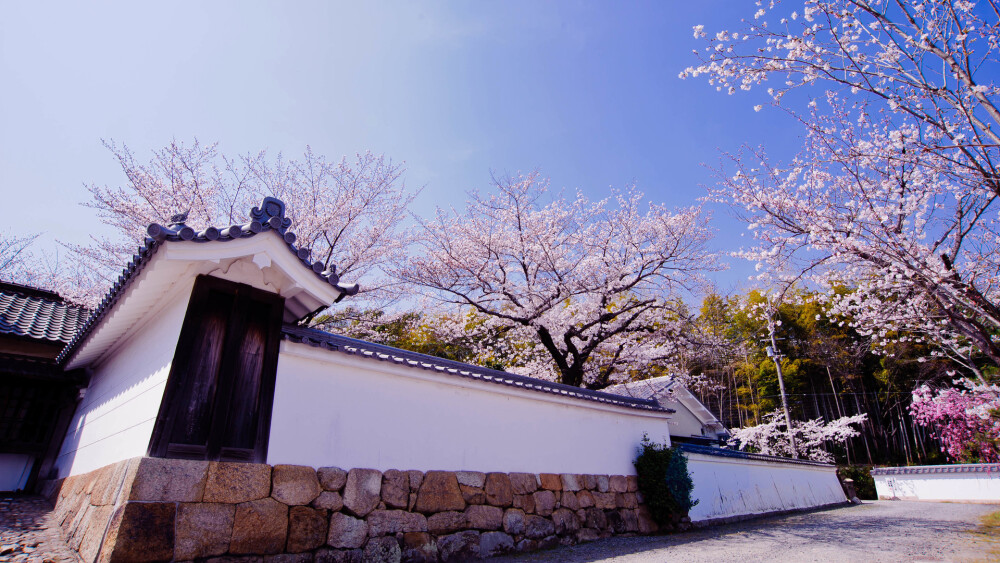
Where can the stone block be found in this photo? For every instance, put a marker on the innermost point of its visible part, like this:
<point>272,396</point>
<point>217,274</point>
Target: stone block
<point>499,491</point>
<point>513,521</point>
<point>473,495</point>
<point>259,527</point>
<point>169,480</point>
<point>605,501</point>
<point>439,492</point>
<point>631,520</point>
<point>235,483</point>
<point>626,500</point>
<point>447,522</point>
<point>203,529</point>
<point>419,547</point>
<point>459,547</point>
<point>545,502</point>
<point>346,531</point>
<point>537,527</point>
<point>382,550</point>
<point>140,531</point>
<point>484,517</point>
<point>525,503</point>
<point>331,478</point>
<point>631,483</point>
<point>566,521</point>
<point>495,543</point>
<point>587,535</point>
<point>396,489</point>
<point>524,483</point>
<point>329,500</point>
<point>327,555</point>
<point>90,531</point>
<point>585,499</point>
<point>294,485</point>
<point>290,558</point>
<point>646,523</point>
<point>615,522</point>
<point>617,484</point>
<point>550,481</point>
<point>570,482</point>
<point>603,483</point>
<point>362,492</point>
<point>307,529</point>
<point>385,522</point>
<point>589,482</point>
<point>527,545</point>
<point>569,500</point>
<point>595,519</point>
<point>416,478</point>
<point>549,542</point>
<point>471,478</point>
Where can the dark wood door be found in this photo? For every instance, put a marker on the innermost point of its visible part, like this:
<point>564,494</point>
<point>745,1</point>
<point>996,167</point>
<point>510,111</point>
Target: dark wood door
<point>217,403</point>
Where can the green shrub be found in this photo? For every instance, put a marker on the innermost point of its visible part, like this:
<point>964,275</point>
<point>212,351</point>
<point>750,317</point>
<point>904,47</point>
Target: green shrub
<point>864,483</point>
<point>664,482</point>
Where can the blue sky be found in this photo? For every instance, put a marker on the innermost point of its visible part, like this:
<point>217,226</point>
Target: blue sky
<point>587,92</point>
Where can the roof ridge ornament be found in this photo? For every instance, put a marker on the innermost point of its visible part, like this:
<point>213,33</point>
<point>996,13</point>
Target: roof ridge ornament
<point>272,212</point>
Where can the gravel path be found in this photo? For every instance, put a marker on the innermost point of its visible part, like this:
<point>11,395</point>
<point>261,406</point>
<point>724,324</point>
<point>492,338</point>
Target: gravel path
<point>26,533</point>
<point>874,531</point>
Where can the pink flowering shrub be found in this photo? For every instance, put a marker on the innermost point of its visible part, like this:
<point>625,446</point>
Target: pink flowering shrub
<point>966,419</point>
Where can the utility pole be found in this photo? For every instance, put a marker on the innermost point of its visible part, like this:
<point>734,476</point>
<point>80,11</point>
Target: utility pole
<point>772,352</point>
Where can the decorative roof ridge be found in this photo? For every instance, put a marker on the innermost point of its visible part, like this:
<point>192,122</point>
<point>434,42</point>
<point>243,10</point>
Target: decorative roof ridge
<point>33,292</point>
<point>270,216</point>
<point>351,346</point>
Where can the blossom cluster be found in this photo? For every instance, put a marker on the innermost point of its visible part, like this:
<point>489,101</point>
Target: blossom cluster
<point>965,418</point>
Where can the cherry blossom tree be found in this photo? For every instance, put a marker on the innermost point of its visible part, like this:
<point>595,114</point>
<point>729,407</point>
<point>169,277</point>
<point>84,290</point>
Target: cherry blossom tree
<point>347,212</point>
<point>594,284</point>
<point>895,191</point>
<point>810,437</point>
<point>966,419</point>
<point>15,257</point>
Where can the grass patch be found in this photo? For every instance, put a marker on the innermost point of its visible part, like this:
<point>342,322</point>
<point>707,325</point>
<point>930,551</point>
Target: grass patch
<point>990,525</point>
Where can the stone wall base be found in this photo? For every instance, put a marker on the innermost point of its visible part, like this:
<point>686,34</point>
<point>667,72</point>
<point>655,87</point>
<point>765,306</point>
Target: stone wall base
<point>152,509</point>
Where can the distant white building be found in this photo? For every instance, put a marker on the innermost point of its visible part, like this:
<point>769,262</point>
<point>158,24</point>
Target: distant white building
<point>693,423</point>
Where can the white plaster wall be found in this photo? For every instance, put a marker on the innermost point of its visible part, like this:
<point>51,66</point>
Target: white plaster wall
<point>331,409</point>
<point>114,421</point>
<point>14,470</point>
<point>727,487</point>
<point>683,422</point>
<point>964,487</point>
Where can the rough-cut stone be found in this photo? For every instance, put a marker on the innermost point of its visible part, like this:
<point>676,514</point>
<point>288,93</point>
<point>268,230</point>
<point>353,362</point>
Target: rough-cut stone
<point>545,502</point>
<point>549,542</point>
<point>439,492</point>
<point>646,523</point>
<point>585,499</point>
<point>471,478</point>
<point>307,529</point>
<point>447,522</point>
<point>570,482</point>
<point>169,480</point>
<point>587,535</point>
<point>631,520</point>
<point>346,531</point>
<point>416,478</point>
<point>329,500</point>
<point>631,483</point>
<point>537,527</point>
<point>605,501</point>
<point>615,521</point>
<point>524,483</point>
<point>495,543</point>
<point>412,505</point>
<point>362,491</point>
<point>294,484</point>
<point>617,483</point>
<point>569,500</point>
<point>484,517</point>
<point>203,529</point>
<point>382,550</point>
<point>260,527</point>
<point>603,483</point>
<point>626,500</point>
<point>566,521</point>
<point>290,558</point>
<point>384,522</point>
<point>550,481</point>
<point>332,478</point>
<point>459,547</point>
<point>498,489</point>
<point>590,482</point>
<point>473,495</point>
<point>233,483</point>
<point>140,531</point>
<point>396,489</point>
<point>525,503</point>
<point>419,547</point>
<point>596,519</point>
<point>527,545</point>
<point>513,521</point>
<point>327,555</point>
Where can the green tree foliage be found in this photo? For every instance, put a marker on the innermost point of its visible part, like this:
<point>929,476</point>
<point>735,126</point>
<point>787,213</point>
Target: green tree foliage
<point>664,482</point>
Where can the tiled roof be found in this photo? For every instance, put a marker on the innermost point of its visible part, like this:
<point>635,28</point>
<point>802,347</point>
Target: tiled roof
<point>644,389</point>
<point>351,346</point>
<point>38,314</point>
<point>270,216</point>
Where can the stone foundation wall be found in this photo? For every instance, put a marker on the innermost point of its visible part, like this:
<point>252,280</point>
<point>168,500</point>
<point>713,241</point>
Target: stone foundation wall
<point>150,509</point>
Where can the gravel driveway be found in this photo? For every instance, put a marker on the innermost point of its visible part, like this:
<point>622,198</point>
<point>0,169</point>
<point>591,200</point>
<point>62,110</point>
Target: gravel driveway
<point>874,531</point>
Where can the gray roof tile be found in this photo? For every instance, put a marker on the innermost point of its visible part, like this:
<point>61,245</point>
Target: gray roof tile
<point>38,314</point>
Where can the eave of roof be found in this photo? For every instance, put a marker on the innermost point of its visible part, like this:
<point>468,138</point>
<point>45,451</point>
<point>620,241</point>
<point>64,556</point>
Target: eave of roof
<point>38,314</point>
<point>415,360</point>
<point>270,216</point>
